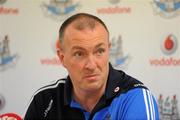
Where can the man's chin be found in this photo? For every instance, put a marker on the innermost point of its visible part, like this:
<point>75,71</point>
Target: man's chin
<point>92,86</point>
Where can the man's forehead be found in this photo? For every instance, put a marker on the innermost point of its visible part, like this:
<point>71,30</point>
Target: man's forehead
<point>90,38</point>
<point>87,33</point>
<point>81,27</point>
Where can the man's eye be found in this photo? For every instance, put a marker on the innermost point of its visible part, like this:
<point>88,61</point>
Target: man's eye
<point>100,51</point>
<point>78,54</point>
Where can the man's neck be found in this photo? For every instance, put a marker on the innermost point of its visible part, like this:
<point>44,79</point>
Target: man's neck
<point>88,100</point>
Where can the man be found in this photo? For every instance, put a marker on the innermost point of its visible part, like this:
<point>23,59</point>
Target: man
<point>93,89</point>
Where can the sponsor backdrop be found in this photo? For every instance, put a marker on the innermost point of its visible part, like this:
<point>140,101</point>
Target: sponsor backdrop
<point>145,37</point>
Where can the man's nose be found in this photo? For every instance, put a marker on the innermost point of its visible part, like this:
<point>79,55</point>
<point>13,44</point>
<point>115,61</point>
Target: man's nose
<point>90,63</point>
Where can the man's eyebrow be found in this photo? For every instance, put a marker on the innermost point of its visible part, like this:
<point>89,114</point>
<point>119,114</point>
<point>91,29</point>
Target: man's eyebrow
<point>100,44</point>
<point>77,47</point>
<point>80,48</point>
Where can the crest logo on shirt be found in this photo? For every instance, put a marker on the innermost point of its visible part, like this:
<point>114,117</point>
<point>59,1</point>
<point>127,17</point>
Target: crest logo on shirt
<point>60,9</point>
<point>6,58</point>
<point>167,8</point>
<point>168,108</point>
<point>117,57</point>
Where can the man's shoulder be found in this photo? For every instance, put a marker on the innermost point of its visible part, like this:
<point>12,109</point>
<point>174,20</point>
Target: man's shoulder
<point>128,82</point>
<point>45,99</point>
<point>51,89</point>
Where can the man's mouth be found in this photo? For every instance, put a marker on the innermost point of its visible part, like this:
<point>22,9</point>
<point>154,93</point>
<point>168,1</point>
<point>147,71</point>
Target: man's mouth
<point>91,77</point>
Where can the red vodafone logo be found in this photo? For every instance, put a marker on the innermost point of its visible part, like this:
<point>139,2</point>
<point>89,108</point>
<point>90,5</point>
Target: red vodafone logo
<point>169,45</point>
<point>10,116</point>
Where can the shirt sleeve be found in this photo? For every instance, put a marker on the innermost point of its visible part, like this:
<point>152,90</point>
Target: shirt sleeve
<point>139,104</point>
<point>35,109</point>
<point>32,111</point>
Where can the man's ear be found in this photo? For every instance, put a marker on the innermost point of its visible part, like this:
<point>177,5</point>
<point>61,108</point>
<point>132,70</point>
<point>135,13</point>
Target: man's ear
<point>60,53</point>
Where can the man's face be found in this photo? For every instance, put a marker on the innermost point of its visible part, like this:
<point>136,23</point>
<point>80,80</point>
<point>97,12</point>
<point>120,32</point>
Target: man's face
<point>85,55</point>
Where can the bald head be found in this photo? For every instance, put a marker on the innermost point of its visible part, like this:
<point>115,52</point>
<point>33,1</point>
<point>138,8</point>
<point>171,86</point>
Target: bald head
<point>80,21</point>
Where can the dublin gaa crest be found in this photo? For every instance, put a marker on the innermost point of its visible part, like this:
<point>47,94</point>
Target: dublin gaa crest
<point>168,108</point>
<point>60,9</point>
<point>6,58</point>
<point>117,58</point>
<point>167,8</point>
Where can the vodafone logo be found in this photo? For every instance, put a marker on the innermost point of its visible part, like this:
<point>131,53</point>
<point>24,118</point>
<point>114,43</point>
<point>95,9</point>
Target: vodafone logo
<point>169,45</point>
<point>114,8</point>
<point>7,10</point>
<point>52,60</point>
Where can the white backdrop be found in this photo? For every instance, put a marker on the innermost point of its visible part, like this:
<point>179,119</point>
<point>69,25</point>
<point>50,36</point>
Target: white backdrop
<point>138,29</point>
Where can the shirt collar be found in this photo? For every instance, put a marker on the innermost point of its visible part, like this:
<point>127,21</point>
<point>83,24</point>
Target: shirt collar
<point>67,91</point>
<point>114,83</point>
